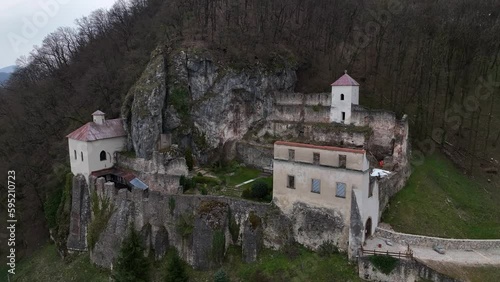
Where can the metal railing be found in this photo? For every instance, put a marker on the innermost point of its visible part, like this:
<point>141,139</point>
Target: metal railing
<point>406,254</point>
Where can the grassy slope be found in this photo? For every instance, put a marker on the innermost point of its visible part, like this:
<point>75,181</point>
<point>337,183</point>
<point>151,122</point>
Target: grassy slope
<point>276,266</point>
<point>46,265</point>
<point>441,201</point>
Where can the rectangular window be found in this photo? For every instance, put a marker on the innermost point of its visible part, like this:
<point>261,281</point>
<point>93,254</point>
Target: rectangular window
<point>341,190</point>
<point>342,161</point>
<point>291,154</point>
<point>343,116</point>
<point>75,154</point>
<point>316,186</point>
<point>291,182</point>
<point>370,189</point>
<point>316,158</point>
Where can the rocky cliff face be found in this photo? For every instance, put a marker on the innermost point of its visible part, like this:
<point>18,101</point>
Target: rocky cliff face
<point>144,105</point>
<point>202,227</point>
<point>204,104</point>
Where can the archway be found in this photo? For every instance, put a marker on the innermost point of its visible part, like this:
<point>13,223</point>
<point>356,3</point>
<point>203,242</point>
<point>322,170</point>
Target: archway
<point>368,228</point>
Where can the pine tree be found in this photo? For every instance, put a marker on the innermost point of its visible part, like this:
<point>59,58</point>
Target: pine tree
<point>221,276</point>
<point>175,270</point>
<point>131,265</point>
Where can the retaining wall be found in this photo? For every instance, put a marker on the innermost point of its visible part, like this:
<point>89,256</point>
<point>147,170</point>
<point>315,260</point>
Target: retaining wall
<point>405,270</point>
<point>429,242</point>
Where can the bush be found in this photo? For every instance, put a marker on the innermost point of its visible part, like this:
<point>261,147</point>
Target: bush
<point>259,190</point>
<point>221,276</point>
<point>131,264</point>
<point>204,190</point>
<point>246,193</point>
<point>175,270</point>
<point>218,247</point>
<point>187,183</point>
<point>384,263</point>
<point>206,180</point>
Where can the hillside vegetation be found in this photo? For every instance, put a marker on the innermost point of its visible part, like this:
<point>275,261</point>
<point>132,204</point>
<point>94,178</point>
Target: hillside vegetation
<point>297,264</point>
<point>441,201</point>
<point>436,61</point>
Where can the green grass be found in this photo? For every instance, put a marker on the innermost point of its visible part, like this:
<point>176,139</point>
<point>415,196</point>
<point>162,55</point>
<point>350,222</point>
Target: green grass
<point>305,265</point>
<point>46,265</point>
<point>440,201</point>
<point>241,175</point>
<point>277,266</point>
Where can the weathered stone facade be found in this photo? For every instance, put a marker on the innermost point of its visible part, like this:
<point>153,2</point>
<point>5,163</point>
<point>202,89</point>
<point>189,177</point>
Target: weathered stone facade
<point>190,224</point>
<point>405,270</point>
<point>161,173</point>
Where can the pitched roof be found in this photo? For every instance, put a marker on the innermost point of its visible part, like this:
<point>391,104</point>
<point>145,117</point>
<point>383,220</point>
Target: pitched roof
<point>92,131</point>
<point>329,148</point>
<point>97,113</point>
<point>345,80</point>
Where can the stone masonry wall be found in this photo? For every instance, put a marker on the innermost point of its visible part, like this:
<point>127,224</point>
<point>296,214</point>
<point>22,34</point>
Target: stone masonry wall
<point>161,173</point>
<point>190,222</point>
<point>426,241</point>
<point>405,270</point>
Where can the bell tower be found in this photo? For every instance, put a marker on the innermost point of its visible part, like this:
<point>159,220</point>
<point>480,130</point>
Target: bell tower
<point>345,93</point>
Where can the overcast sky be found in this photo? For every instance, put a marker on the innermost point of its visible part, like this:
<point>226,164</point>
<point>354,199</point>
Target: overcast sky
<point>24,23</point>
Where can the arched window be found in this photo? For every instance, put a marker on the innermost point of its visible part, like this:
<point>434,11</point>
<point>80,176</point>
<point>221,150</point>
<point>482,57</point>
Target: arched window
<point>81,155</point>
<point>75,154</point>
<point>342,97</point>
<point>102,156</point>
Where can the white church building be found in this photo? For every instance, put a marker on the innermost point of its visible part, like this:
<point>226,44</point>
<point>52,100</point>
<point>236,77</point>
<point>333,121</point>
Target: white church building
<point>92,147</point>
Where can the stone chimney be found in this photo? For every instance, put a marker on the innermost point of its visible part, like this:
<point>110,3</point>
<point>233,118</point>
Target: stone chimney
<point>98,117</point>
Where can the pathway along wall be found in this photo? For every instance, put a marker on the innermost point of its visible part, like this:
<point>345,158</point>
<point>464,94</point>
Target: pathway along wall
<point>429,242</point>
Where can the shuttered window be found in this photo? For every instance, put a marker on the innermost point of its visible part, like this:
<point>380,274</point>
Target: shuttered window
<point>341,190</point>
<point>316,186</point>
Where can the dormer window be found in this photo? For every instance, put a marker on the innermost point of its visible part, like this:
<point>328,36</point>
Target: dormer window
<point>341,97</point>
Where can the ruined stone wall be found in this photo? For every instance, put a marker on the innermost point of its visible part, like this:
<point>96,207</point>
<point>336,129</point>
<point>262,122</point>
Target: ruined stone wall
<point>383,125</point>
<point>299,107</point>
<point>190,222</point>
<point>161,173</point>
<point>390,185</point>
<point>312,99</point>
<point>317,114</point>
<point>255,154</point>
<point>405,270</point>
<point>429,242</point>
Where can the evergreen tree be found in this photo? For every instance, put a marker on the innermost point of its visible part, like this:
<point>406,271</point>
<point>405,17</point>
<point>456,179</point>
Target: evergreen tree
<point>221,276</point>
<point>175,270</point>
<point>131,265</point>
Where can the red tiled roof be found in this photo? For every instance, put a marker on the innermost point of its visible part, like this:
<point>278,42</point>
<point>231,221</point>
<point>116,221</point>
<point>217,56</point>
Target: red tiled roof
<point>92,131</point>
<point>329,148</point>
<point>345,80</point>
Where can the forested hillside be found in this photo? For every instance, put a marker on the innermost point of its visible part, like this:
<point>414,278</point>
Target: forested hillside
<point>437,61</point>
